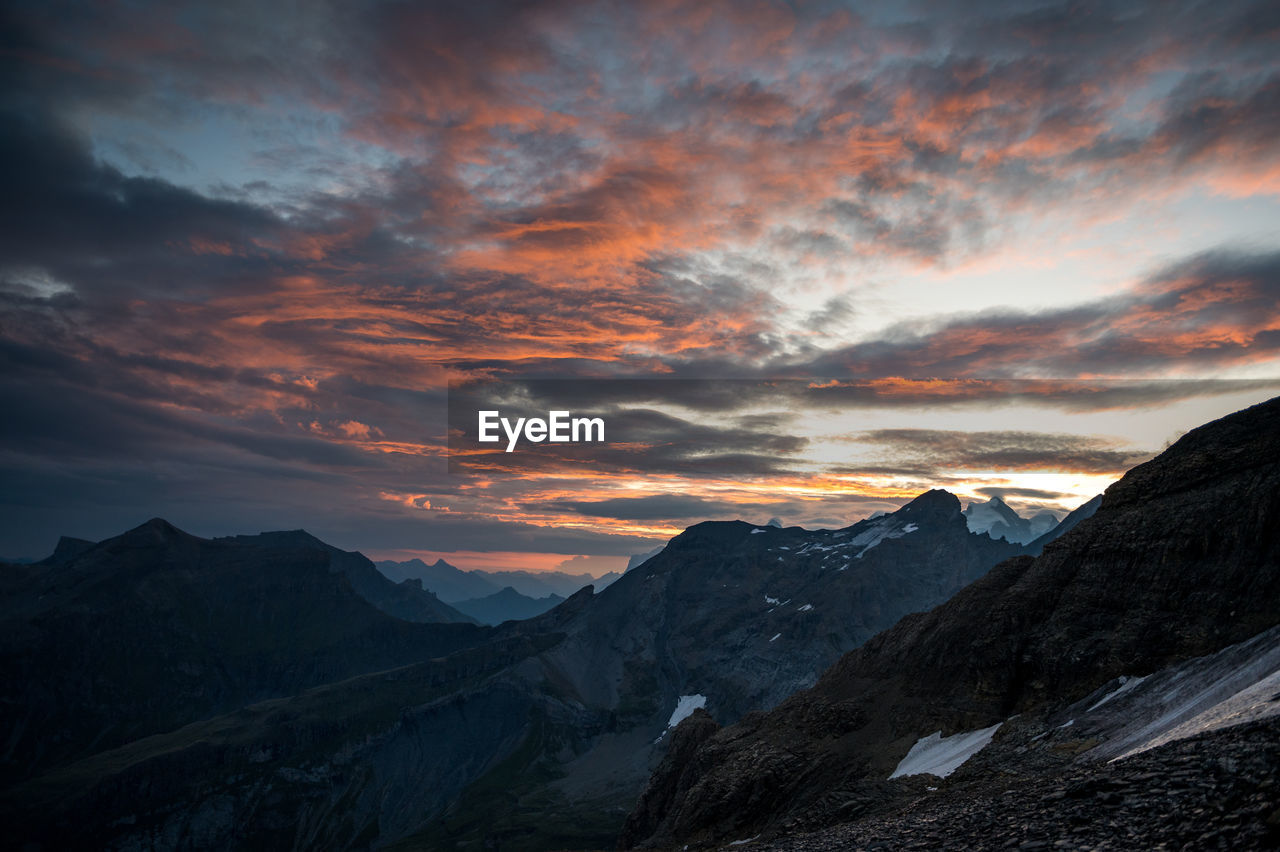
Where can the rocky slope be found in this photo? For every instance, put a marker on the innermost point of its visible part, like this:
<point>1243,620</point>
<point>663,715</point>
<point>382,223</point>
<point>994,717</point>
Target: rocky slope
<point>1181,559</point>
<point>104,643</point>
<point>1213,791</point>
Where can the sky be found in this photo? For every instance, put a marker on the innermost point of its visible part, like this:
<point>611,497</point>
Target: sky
<point>807,260</point>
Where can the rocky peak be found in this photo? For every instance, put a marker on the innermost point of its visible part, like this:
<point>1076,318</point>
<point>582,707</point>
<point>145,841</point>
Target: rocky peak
<point>936,504</point>
<point>68,548</point>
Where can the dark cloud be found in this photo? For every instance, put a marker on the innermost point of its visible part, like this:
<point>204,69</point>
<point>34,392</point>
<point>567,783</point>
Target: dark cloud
<point>1215,309</point>
<point>663,507</point>
<point>1011,450</point>
<point>1029,493</point>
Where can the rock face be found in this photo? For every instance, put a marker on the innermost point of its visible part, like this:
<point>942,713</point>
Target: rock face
<point>1181,559</point>
<point>155,628</point>
<point>674,774</point>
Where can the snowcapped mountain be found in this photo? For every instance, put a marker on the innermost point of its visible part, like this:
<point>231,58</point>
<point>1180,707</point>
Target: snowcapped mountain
<point>998,520</point>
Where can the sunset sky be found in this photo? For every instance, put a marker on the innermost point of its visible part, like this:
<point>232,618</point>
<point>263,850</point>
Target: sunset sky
<point>860,249</point>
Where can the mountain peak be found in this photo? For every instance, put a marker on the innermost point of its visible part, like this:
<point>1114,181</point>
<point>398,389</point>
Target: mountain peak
<point>153,532</point>
<point>933,501</point>
<point>68,548</point>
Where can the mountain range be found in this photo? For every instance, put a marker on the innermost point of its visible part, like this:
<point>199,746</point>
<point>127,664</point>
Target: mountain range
<point>565,713</point>
<point>452,584</point>
<point>744,683</point>
<point>1179,563</point>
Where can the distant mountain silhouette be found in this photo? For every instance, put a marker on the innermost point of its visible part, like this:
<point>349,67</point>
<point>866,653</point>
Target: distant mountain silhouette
<point>506,605</point>
<point>141,633</point>
<point>452,584</point>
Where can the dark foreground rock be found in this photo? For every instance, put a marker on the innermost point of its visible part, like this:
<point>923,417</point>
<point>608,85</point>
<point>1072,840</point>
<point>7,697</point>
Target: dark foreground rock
<point>1215,791</point>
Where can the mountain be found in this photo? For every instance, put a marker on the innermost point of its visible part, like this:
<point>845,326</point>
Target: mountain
<point>542,732</point>
<point>407,600</point>
<point>539,584</point>
<point>506,605</point>
<point>1180,562</point>
<point>102,644</point>
<point>998,520</point>
<point>67,548</point>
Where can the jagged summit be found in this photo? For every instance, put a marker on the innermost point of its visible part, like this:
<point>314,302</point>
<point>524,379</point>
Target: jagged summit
<point>998,519</point>
<point>936,502</point>
<point>153,532</point>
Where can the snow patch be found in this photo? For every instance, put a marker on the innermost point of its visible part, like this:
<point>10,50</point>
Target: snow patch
<point>775,637</point>
<point>805,608</point>
<point>1126,683</point>
<point>939,755</point>
<point>742,842</point>
<point>755,531</point>
<point>769,600</point>
<point>1249,704</point>
<point>878,532</point>
<point>685,707</point>
<point>1230,687</point>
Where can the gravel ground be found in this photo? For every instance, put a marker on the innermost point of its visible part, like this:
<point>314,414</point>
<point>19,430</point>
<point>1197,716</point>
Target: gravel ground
<point>1215,791</point>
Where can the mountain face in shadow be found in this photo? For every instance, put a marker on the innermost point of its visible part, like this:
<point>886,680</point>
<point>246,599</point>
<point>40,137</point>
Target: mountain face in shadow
<point>1180,560</point>
<point>536,734</point>
<point>104,643</point>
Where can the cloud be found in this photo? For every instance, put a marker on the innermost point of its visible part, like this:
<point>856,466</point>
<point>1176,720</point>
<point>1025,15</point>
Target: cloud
<point>1214,310</point>
<point>242,252</point>
<point>938,449</point>
<point>668,507</point>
